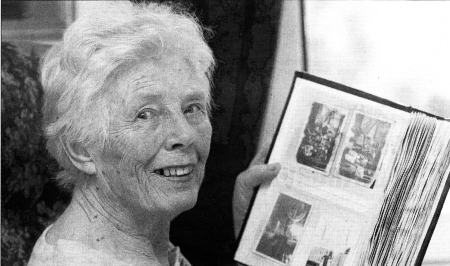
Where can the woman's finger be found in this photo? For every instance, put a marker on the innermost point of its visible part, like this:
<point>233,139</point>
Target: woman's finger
<point>261,155</point>
<point>258,174</point>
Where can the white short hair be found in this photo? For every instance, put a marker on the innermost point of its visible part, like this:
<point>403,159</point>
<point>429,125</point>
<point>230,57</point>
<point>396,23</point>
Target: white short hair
<point>95,49</point>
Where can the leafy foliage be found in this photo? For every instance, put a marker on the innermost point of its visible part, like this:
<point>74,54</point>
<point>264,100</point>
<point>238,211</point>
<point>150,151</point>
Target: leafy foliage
<point>30,197</point>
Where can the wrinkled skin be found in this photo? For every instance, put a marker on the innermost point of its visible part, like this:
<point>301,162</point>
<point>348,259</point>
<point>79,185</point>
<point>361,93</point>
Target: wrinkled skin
<point>158,121</point>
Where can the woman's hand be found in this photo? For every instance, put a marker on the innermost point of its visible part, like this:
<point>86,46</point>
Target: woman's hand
<point>256,174</point>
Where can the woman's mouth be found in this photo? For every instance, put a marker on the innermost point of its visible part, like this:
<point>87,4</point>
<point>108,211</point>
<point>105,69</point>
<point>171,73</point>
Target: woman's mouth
<point>175,171</point>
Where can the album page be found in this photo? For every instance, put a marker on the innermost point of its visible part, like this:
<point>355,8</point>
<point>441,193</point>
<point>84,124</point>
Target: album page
<point>336,152</point>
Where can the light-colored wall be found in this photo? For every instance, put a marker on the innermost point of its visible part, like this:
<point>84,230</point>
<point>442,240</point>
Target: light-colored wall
<point>398,50</point>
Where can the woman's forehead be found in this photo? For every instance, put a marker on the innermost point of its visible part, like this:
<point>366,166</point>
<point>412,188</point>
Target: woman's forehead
<point>169,75</point>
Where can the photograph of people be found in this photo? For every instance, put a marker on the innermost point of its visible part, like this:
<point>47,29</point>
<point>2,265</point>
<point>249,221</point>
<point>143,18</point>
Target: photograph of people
<point>324,257</point>
<point>126,115</point>
<point>361,157</point>
<point>284,228</point>
<point>320,136</point>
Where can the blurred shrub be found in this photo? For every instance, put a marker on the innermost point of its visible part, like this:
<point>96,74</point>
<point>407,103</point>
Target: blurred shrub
<point>30,198</point>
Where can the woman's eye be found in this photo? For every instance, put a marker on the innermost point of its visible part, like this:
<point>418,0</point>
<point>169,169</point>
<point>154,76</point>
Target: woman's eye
<point>146,114</point>
<point>192,109</point>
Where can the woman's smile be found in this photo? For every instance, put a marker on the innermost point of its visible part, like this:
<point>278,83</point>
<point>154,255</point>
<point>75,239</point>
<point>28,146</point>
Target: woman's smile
<point>178,174</point>
<point>174,171</point>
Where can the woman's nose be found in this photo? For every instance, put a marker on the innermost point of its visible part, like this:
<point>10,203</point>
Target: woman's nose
<point>181,135</point>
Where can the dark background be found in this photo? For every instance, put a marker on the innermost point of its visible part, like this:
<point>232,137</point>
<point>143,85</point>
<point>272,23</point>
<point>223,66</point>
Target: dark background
<point>244,41</point>
<point>244,45</point>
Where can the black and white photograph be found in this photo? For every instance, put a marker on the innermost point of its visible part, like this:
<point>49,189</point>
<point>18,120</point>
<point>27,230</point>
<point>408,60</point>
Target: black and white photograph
<point>361,156</point>
<point>337,239</point>
<point>325,257</point>
<point>284,229</point>
<point>147,132</point>
<point>321,136</point>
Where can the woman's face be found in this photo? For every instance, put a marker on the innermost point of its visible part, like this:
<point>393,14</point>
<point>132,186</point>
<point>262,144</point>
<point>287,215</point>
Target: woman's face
<point>159,137</point>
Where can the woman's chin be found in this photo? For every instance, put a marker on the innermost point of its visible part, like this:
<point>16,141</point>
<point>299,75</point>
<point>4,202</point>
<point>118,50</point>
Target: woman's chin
<point>183,201</point>
<point>185,207</point>
<point>171,204</point>
<point>182,192</point>
<point>167,196</point>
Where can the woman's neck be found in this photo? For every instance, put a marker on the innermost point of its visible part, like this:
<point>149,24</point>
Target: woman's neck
<point>103,224</point>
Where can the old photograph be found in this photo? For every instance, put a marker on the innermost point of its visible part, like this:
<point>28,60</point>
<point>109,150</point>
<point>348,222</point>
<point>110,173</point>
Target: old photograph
<point>337,240</point>
<point>325,257</point>
<point>362,154</point>
<point>321,137</point>
<point>284,229</point>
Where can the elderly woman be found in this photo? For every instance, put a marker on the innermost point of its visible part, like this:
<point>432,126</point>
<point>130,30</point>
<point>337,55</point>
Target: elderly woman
<point>127,98</point>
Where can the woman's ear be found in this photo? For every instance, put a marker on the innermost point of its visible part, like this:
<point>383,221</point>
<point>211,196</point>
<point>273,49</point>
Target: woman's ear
<point>79,157</point>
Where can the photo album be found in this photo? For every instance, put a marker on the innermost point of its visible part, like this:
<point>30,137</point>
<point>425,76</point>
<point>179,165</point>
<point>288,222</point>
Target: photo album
<point>362,181</point>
